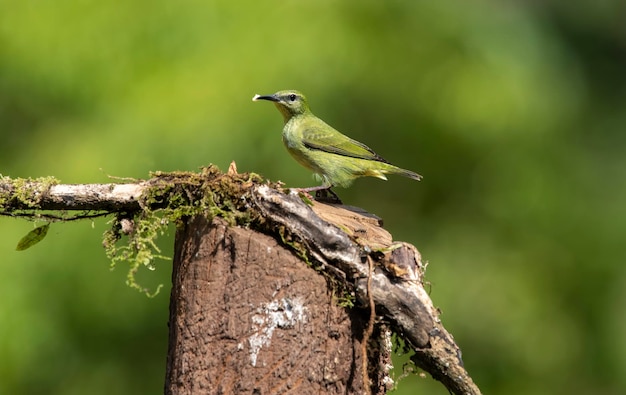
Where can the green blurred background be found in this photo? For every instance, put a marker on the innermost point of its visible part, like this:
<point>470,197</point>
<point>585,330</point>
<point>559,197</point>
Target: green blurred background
<point>513,111</point>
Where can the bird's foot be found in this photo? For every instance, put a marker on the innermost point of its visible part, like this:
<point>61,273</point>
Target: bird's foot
<point>323,193</point>
<point>327,196</point>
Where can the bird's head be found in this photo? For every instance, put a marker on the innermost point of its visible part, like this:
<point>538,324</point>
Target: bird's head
<point>289,102</point>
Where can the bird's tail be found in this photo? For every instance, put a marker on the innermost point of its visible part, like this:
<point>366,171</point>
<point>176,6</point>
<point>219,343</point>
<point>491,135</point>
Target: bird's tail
<point>387,168</point>
<point>403,172</point>
<point>407,173</point>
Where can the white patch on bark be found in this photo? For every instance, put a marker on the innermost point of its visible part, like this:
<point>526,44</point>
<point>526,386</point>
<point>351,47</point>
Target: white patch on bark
<point>284,313</point>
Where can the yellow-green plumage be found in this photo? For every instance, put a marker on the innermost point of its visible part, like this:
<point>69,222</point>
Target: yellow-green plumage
<point>336,158</point>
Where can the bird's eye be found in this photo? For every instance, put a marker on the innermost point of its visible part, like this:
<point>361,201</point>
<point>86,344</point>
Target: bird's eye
<point>292,97</point>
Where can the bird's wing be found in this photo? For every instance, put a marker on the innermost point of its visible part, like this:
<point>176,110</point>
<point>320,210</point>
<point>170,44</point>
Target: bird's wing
<point>320,136</point>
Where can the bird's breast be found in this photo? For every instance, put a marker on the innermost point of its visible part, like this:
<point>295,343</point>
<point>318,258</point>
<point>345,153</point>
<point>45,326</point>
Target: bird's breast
<point>291,137</point>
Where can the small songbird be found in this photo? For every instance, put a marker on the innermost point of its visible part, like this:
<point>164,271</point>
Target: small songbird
<point>335,158</point>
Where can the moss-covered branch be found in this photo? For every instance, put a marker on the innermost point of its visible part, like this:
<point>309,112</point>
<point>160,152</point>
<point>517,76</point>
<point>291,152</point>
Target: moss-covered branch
<point>142,210</point>
<point>177,189</point>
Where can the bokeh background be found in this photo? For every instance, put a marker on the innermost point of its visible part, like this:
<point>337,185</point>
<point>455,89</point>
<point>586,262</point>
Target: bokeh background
<point>514,112</point>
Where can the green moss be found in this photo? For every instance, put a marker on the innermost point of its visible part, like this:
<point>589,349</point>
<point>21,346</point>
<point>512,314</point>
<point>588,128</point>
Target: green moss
<point>344,299</point>
<point>296,246</point>
<point>140,249</point>
<point>4,193</point>
<point>170,198</point>
<point>23,192</point>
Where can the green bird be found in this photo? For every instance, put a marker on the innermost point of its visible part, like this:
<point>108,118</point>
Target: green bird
<point>336,158</point>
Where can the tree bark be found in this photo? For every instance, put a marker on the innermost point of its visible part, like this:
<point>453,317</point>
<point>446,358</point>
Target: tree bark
<point>249,317</point>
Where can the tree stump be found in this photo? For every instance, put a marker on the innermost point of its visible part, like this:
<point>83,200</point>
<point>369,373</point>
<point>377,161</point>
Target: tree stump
<point>247,316</point>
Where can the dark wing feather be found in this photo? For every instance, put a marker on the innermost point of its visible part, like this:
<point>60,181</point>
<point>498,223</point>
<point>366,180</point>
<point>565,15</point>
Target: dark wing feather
<point>319,136</point>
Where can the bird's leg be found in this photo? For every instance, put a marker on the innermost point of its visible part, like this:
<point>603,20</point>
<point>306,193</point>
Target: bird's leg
<point>322,193</point>
<point>312,189</point>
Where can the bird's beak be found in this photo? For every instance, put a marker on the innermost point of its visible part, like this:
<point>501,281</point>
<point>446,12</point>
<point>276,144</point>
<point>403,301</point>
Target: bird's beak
<point>266,97</point>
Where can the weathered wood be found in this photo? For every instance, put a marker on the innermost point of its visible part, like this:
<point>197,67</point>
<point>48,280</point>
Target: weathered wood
<point>397,286</point>
<point>249,317</point>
